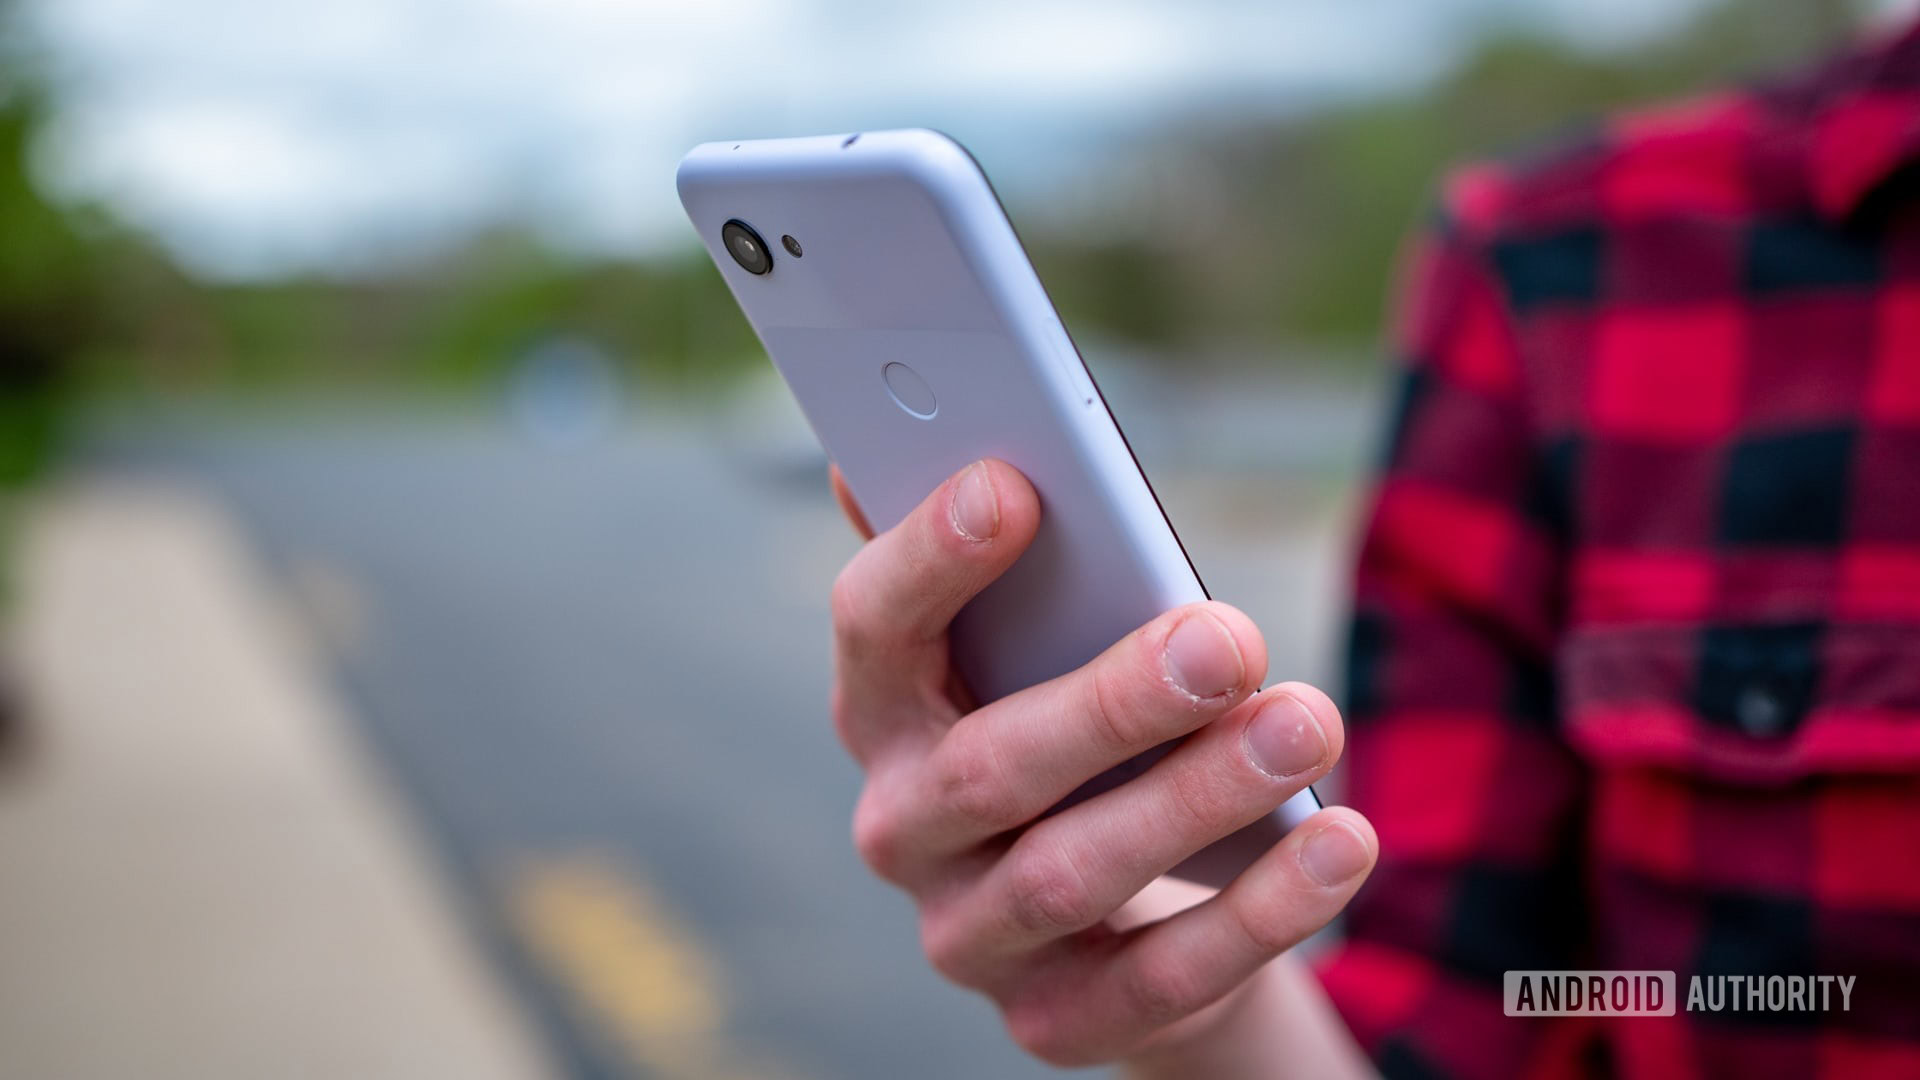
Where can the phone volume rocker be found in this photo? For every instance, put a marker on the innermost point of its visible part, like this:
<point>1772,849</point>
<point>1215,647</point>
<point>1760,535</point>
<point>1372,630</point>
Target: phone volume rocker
<point>1081,382</point>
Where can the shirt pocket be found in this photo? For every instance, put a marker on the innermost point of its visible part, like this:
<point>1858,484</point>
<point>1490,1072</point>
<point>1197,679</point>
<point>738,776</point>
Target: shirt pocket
<point>1747,703</point>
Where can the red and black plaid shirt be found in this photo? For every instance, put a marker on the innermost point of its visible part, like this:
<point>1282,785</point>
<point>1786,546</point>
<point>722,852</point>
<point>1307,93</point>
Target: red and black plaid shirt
<point>1635,673</point>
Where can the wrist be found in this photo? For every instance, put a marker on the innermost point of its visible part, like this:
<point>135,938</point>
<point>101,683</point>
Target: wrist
<point>1278,1024</point>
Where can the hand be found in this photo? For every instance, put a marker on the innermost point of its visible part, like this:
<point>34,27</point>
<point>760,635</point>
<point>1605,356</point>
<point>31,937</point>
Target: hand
<point>1059,920</point>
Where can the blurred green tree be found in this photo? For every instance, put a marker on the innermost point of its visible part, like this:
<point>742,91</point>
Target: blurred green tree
<point>48,276</point>
<point>1284,233</point>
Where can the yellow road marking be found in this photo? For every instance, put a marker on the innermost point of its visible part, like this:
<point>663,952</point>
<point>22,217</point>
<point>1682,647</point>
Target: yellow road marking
<point>628,961</point>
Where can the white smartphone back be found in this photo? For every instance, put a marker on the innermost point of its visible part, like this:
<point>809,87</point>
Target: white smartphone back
<point>917,338</point>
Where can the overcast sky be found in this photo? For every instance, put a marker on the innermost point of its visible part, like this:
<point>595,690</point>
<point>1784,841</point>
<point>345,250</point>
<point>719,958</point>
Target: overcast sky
<point>258,136</point>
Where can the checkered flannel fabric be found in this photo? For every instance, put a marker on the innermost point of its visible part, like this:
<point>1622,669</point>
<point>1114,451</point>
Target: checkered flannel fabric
<point>1635,664</point>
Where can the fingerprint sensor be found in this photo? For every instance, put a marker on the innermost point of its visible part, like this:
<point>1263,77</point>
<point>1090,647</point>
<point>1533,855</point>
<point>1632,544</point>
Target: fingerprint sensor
<point>910,391</point>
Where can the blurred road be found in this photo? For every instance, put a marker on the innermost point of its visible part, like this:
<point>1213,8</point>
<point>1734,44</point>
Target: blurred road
<point>202,876</point>
<point>598,667</point>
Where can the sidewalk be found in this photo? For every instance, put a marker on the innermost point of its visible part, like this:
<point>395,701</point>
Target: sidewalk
<point>200,874</point>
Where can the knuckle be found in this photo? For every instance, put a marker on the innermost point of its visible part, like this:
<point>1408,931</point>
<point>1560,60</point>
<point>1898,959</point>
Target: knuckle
<point>1038,1028</point>
<point>846,718</point>
<point>971,788</point>
<point>928,557</point>
<point>1046,894</point>
<point>948,950</point>
<point>1158,992</point>
<point>876,837</point>
<point>1268,921</point>
<point>853,628</point>
<point>1113,723</point>
<point>1198,801</point>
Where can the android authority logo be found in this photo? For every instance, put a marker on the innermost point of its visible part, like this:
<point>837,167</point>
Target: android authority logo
<point>1653,993</point>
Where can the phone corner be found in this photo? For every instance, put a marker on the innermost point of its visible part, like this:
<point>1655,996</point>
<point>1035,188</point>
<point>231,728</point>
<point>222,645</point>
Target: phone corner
<point>936,160</point>
<point>692,166</point>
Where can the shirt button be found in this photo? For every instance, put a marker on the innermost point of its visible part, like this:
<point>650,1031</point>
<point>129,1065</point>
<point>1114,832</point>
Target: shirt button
<point>1760,712</point>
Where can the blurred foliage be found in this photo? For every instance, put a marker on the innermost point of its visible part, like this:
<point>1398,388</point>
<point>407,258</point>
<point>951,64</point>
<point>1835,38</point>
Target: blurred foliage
<point>461,321</point>
<point>1285,233</point>
<point>48,278</point>
<point>1230,240</point>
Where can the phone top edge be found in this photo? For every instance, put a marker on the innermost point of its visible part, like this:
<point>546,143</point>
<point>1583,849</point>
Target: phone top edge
<point>922,151</point>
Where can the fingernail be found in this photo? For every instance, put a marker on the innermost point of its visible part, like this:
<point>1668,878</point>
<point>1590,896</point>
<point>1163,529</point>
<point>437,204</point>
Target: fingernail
<point>1334,854</point>
<point>1202,656</point>
<point>1284,738</point>
<point>975,509</point>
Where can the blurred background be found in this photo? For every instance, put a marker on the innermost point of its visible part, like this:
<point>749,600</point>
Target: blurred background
<point>414,578</point>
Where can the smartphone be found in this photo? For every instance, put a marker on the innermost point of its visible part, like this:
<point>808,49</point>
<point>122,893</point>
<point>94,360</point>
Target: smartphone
<point>885,280</point>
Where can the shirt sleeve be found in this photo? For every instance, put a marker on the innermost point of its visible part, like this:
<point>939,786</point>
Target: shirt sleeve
<point>1454,751</point>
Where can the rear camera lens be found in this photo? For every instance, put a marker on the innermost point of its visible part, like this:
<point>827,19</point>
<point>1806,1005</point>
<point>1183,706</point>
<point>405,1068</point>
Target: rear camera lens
<point>792,246</point>
<point>746,247</point>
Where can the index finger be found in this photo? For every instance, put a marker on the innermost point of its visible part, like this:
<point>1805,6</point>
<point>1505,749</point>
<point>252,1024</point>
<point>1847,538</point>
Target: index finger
<point>893,602</point>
